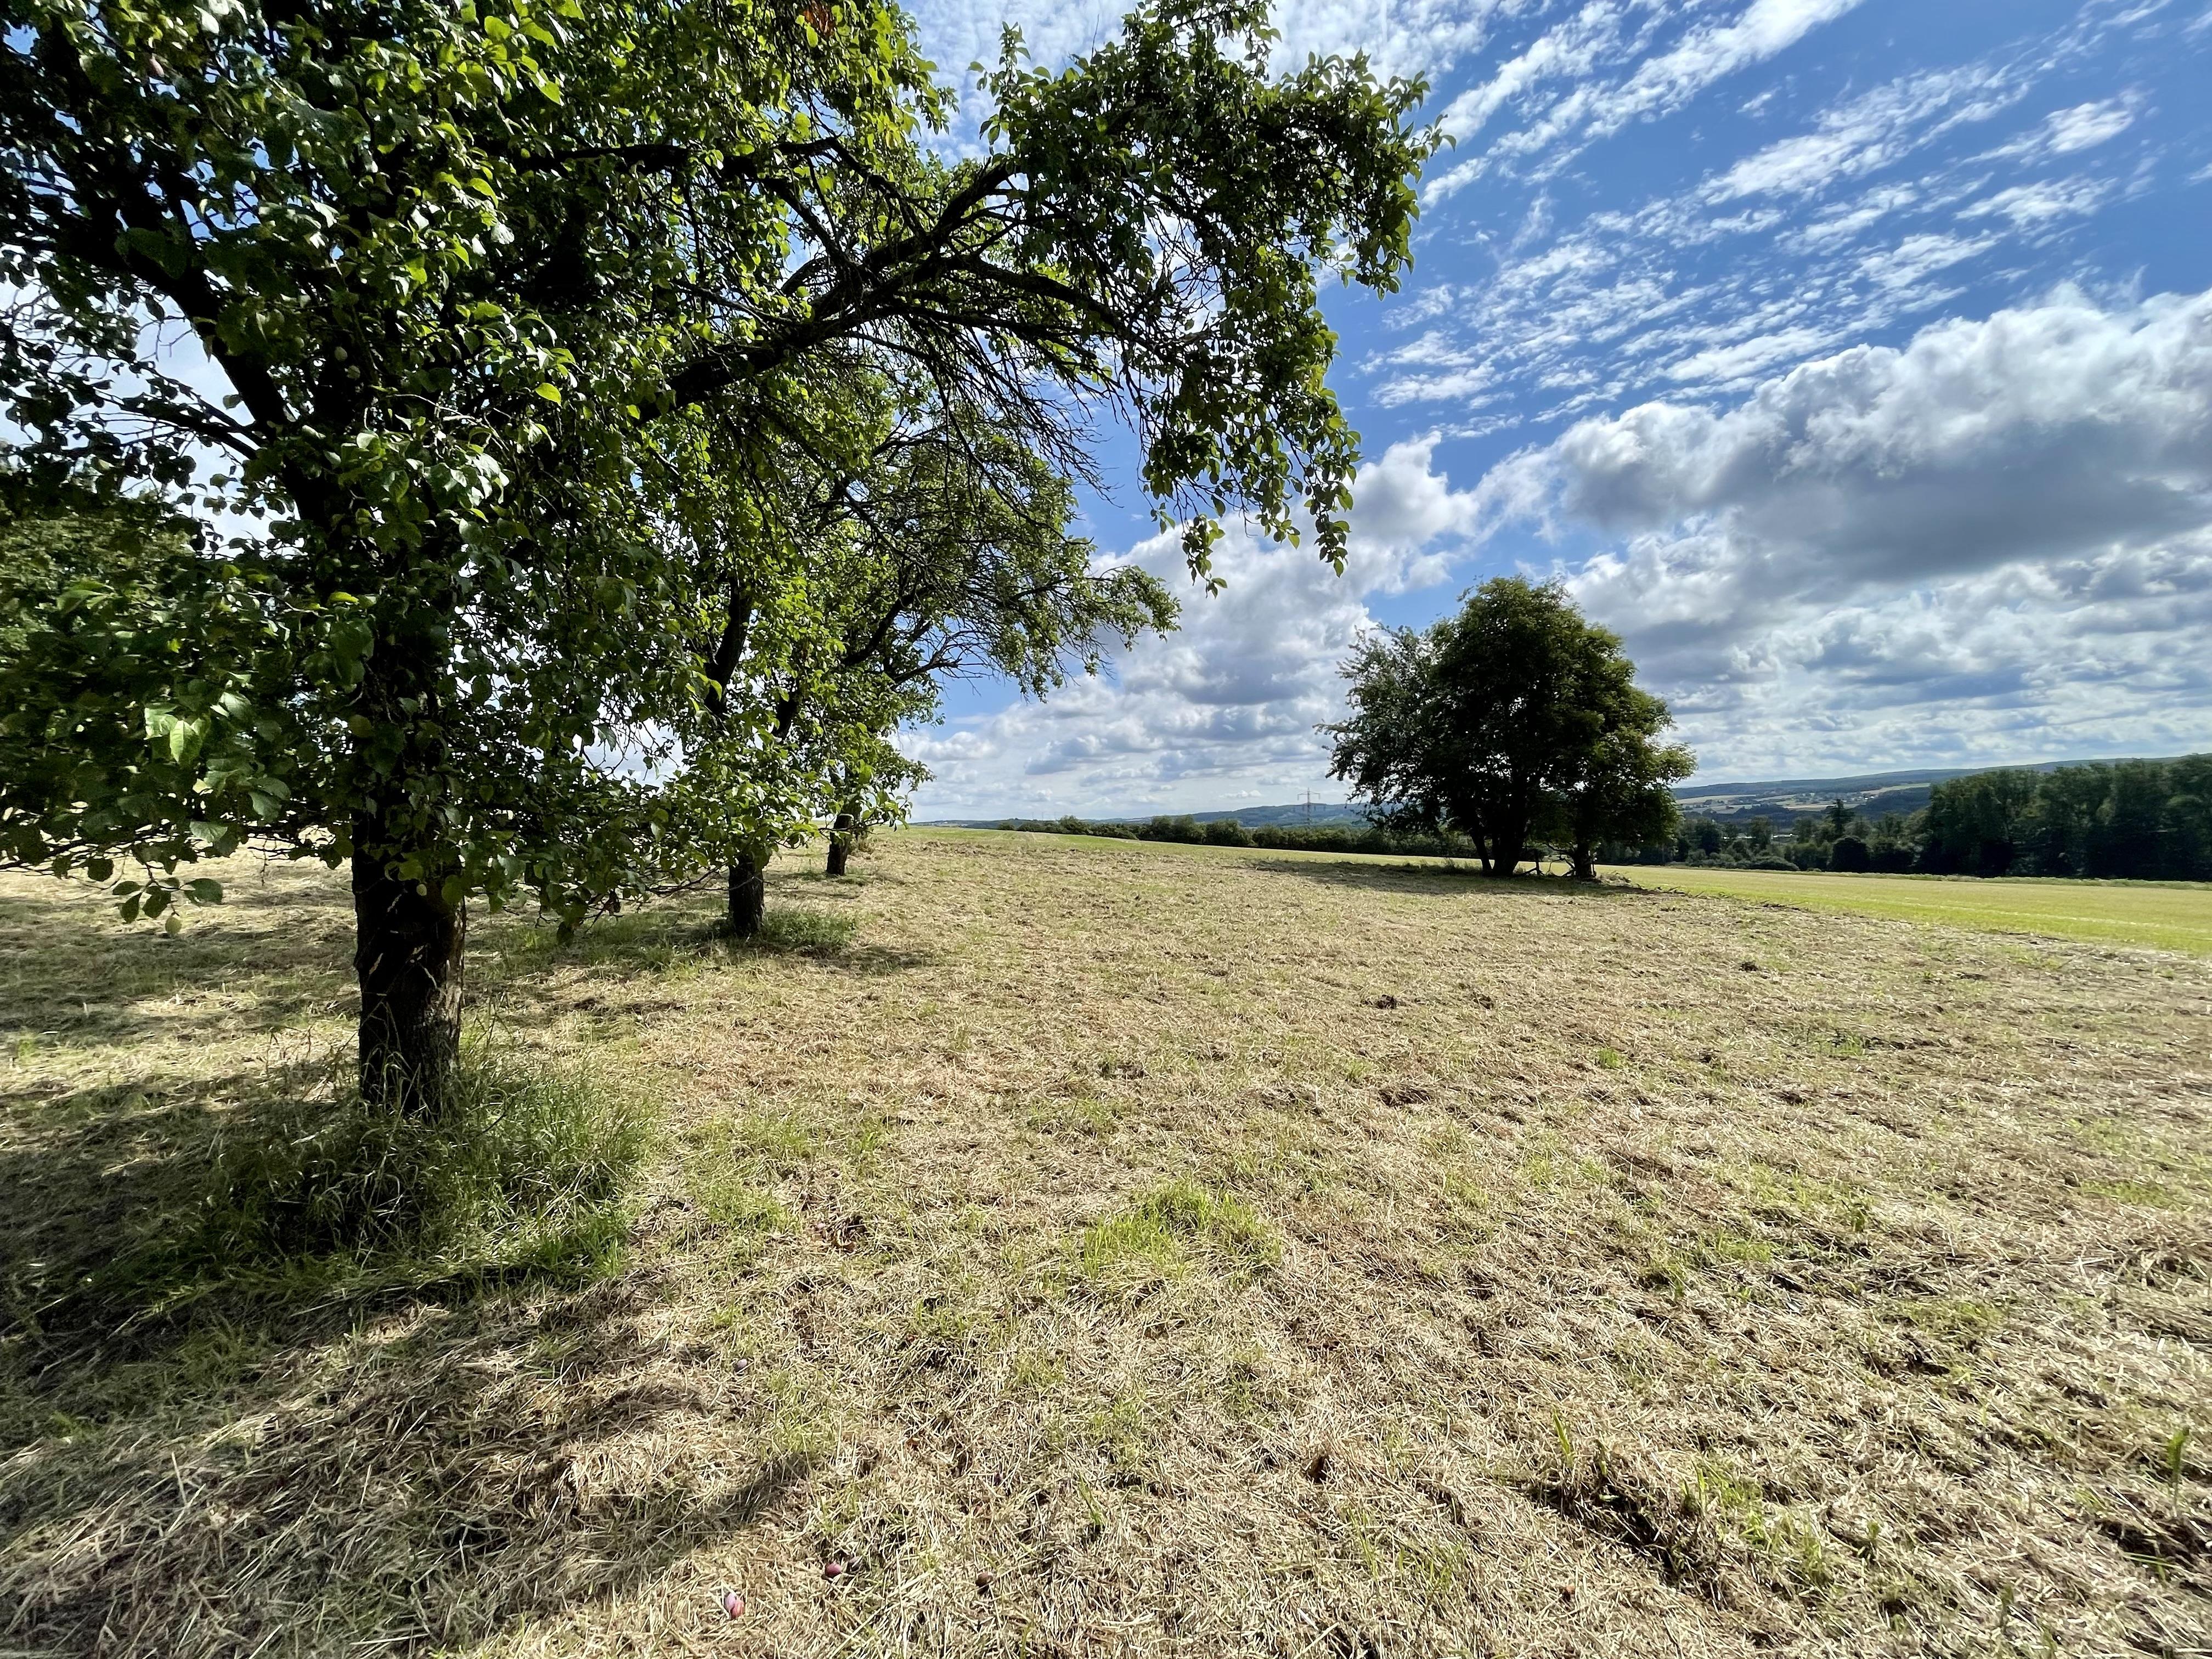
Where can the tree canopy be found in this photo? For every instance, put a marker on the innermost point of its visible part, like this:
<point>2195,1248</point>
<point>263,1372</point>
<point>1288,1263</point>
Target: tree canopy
<point>833,590</point>
<point>1515,717</point>
<point>407,290</point>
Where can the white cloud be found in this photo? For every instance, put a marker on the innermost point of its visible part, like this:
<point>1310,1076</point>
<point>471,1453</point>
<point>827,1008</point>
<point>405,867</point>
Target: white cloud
<point>2087,125</point>
<point>1873,213</point>
<point>1605,54</point>
<point>2084,127</point>
<point>1225,709</point>
<point>1725,365</point>
<point>2009,518</point>
<point>1866,133</point>
<point>2043,202</point>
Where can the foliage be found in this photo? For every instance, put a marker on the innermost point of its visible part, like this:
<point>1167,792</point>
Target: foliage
<point>828,591</point>
<point>2146,819</point>
<point>439,255</point>
<point>1513,717</point>
<point>447,268</point>
<point>2143,820</point>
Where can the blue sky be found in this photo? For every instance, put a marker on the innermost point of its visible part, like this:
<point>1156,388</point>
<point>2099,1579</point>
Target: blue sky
<point>1853,358</point>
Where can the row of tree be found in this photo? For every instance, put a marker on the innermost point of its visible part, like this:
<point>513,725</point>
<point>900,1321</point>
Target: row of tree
<point>2125,820</point>
<point>2141,819</point>
<point>1281,837</point>
<point>616,415</point>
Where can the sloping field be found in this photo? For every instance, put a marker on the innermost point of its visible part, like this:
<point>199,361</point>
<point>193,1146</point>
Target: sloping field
<point>2164,915</point>
<point>1080,1248</point>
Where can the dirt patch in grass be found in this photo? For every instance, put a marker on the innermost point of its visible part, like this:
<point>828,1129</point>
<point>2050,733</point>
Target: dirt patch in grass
<point>1098,1248</point>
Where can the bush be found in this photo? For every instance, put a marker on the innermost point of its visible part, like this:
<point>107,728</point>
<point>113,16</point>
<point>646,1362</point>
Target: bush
<point>1227,832</point>
<point>1851,856</point>
<point>1182,829</point>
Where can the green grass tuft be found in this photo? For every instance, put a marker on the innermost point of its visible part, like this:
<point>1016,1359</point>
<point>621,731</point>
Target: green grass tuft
<point>797,933</point>
<point>525,1169</point>
<point>1160,1231</point>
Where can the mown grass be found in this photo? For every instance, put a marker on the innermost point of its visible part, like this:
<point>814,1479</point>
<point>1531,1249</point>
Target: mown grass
<point>2164,915</point>
<point>1096,1248</point>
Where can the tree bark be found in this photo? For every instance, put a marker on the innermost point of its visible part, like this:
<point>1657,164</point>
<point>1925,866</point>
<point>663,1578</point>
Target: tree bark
<point>748,896</point>
<point>1507,848</point>
<point>1584,858</point>
<point>841,843</point>
<point>407,959</point>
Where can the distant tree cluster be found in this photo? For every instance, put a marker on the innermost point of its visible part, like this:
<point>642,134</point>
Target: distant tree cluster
<point>2127,820</point>
<point>2145,819</point>
<point>1280,837</point>
<point>1516,724</point>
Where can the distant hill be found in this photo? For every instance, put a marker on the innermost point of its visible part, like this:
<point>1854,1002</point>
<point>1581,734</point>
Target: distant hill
<point>1871,793</point>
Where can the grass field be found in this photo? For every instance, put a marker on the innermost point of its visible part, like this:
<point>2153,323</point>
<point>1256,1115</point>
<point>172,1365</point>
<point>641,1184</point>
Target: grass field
<point>2163,915</point>
<point>1094,1247</point>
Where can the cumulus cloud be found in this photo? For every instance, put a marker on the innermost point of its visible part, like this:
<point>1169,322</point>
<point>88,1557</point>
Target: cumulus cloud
<point>2011,517</point>
<point>1225,709</point>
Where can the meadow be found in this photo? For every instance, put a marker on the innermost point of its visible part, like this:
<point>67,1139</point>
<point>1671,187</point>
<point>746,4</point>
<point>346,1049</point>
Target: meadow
<point>2165,915</point>
<point>1049,1245</point>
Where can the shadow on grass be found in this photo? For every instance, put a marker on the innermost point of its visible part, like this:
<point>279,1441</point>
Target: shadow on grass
<point>379,1443</point>
<point>1441,878</point>
<point>692,931</point>
<point>90,982</point>
<point>417,1481</point>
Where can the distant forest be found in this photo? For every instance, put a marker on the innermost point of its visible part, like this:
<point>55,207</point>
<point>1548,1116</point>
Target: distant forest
<point>2139,820</point>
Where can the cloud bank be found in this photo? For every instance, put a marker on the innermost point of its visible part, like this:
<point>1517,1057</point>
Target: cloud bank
<point>1996,538</point>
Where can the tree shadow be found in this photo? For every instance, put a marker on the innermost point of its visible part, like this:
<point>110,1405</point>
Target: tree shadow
<point>1443,879</point>
<point>690,930</point>
<point>314,1467</point>
<point>419,1479</point>
<point>261,964</point>
<point>88,1175</point>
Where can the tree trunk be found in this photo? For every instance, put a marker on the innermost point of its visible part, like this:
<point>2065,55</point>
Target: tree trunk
<point>1507,848</point>
<point>1584,860</point>
<point>407,958</point>
<point>841,843</point>
<point>748,896</point>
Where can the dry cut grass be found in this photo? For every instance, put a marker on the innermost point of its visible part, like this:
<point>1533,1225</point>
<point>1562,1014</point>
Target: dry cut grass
<point>1076,1247</point>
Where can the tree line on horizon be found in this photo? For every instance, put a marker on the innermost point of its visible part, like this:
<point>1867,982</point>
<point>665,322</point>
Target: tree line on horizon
<point>2140,820</point>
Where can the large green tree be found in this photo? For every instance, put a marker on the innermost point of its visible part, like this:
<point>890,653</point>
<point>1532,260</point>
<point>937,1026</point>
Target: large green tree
<point>405,285</point>
<point>1512,716</point>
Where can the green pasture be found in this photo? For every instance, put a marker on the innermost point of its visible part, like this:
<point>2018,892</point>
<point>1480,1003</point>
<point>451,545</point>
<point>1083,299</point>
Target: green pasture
<point>2156,914</point>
